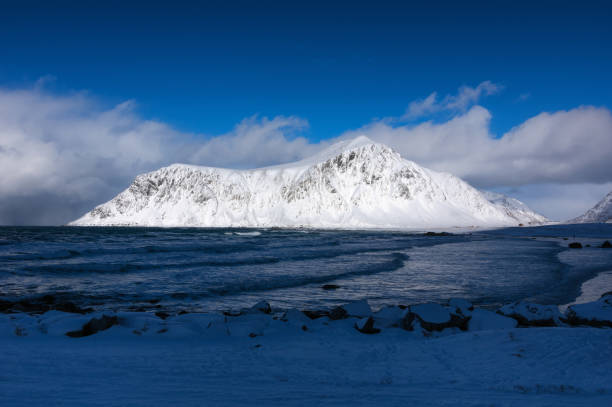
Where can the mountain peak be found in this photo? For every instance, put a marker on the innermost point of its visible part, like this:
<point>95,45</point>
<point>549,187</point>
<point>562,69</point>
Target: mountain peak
<point>353,183</point>
<point>601,212</point>
<point>351,144</point>
<point>341,147</point>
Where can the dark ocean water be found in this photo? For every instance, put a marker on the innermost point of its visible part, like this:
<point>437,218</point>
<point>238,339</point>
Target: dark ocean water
<point>221,269</point>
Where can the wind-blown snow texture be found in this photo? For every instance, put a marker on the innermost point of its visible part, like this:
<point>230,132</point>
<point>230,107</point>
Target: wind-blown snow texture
<point>355,183</point>
<point>602,212</point>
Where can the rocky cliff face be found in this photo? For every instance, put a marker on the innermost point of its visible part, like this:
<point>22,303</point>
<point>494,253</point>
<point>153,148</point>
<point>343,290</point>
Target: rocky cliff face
<point>356,183</point>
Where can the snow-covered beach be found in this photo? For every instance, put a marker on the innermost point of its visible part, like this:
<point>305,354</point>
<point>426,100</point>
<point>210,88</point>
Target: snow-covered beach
<point>290,359</point>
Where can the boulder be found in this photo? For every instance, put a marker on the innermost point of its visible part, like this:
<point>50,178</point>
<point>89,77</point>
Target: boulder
<point>391,316</point>
<point>261,306</point>
<point>438,234</point>
<point>314,314</point>
<point>460,306</point>
<point>597,313</point>
<point>359,309</point>
<point>408,321</point>
<point>366,326</point>
<point>529,314</point>
<point>42,305</point>
<point>330,286</point>
<point>434,317</point>
<point>575,245</point>
<point>606,245</point>
<point>95,325</point>
<point>71,308</point>
<point>483,320</point>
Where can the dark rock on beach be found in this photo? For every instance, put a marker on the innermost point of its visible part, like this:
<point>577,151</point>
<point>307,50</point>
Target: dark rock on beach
<point>366,326</point>
<point>162,314</point>
<point>529,314</point>
<point>606,245</point>
<point>575,245</point>
<point>438,234</point>
<point>315,314</point>
<point>72,308</point>
<point>597,314</point>
<point>435,317</point>
<point>42,305</point>
<point>330,287</point>
<point>338,313</point>
<point>94,325</point>
<point>261,306</point>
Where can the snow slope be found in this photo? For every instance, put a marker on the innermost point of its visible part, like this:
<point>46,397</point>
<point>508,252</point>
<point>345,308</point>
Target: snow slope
<point>602,212</point>
<point>355,183</point>
<point>515,209</point>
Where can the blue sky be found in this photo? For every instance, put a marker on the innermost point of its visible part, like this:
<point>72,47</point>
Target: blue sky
<point>511,96</point>
<point>204,68</point>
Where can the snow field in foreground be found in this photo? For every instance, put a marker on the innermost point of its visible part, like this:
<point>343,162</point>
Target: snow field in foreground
<point>258,358</point>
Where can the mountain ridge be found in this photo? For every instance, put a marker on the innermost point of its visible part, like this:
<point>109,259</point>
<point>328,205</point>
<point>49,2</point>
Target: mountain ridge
<point>354,183</point>
<point>600,213</point>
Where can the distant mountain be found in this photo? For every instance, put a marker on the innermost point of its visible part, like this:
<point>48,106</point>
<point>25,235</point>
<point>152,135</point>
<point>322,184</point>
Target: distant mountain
<point>515,209</point>
<point>353,184</point>
<point>600,213</point>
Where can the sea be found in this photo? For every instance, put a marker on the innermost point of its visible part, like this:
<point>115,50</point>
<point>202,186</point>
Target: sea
<point>211,270</point>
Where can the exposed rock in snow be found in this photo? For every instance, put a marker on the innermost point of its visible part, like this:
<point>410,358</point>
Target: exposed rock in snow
<point>483,320</point>
<point>529,314</point>
<point>460,306</point>
<point>366,326</point>
<point>355,183</point>
<point>95,325</point>
<point>598,313</point>
<point>435,317</point>
<point>261,306</point>
<point>600,213</point>
<point>515,209</point>
<point>389,316</point>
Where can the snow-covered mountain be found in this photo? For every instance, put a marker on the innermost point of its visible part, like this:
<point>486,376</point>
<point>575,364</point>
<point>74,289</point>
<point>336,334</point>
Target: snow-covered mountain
<point>602,212</point>
<point>355,183</point>
<point>515,209</point>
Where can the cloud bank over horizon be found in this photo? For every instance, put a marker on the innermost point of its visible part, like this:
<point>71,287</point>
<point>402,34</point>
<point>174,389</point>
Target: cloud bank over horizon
<point>61,155</point>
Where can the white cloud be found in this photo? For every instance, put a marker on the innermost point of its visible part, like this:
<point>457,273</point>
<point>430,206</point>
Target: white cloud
<point>257,142</point>
<point>465,97</point>
<point>62,155</point>
<point>422,107</point>
<point>564,147</point>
